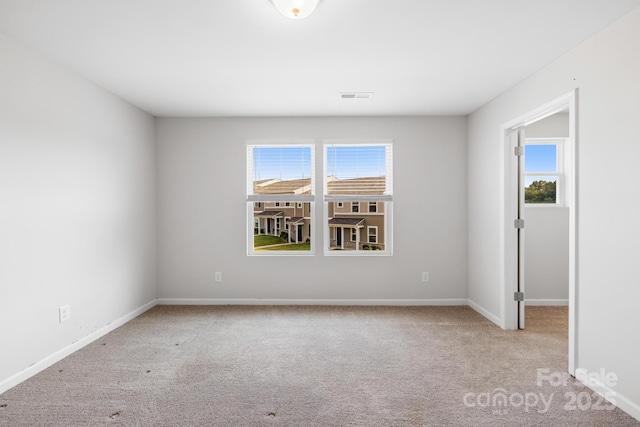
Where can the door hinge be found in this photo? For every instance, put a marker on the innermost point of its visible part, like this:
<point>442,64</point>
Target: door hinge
<point>518,223</point>
<point>518,296</point>
<point>518,150</point>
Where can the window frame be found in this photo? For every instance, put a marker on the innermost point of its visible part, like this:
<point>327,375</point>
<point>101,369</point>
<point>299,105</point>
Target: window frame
<point>280,200</point>
<point>560,144</point>
<point>386,199</point>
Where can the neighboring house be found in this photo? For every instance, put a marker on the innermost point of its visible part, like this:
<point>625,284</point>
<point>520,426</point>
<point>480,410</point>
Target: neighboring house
<point>277,217</point>
<point>294,218</point>
<point>352,225</point>
<point>356,225</point>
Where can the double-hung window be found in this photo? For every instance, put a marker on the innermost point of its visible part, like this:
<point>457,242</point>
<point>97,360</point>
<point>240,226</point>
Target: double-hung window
<point>280,198</point>
<point>358,197</point>
<point>543,172</point>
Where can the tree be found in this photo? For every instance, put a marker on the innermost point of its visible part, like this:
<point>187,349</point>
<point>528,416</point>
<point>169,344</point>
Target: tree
<point>540,192</point>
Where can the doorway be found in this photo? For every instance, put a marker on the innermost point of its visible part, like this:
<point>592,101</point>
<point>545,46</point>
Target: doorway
<point>513,135</point>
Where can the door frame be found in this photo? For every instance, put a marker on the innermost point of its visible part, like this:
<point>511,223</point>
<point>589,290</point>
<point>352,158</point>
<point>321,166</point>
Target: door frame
<point>509,200</point>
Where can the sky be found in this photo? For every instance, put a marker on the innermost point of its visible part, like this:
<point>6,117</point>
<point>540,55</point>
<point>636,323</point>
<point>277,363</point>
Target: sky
<point>343,161</point>
<point>539,158</point>
<point>285,163</point>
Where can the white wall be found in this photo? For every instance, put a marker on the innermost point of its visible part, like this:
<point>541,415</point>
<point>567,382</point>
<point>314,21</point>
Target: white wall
<point>547,255</point>
<point>202,213</point>
<point>77,208</point>
<point>554,126</point>
<point>547,233</point>
<point>606,70</point>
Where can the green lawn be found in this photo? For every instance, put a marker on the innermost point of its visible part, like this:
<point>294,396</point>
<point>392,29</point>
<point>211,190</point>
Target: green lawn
<point>261,240</point>
<point>288,247</point>
<point>265,240</point>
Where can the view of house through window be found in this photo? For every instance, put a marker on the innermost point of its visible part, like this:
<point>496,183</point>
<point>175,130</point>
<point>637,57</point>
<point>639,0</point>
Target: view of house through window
<point>358,197</point>
<point>280,197</point>
<point>357,194</point>
<point>282,228</point>
<point>542,172</point>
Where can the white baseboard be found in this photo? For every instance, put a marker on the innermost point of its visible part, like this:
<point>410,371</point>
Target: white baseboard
<point>549,302</point>
<point>615,398</point>
<point>66,351</point>
<point>484,312</point>
<point>270,301</point>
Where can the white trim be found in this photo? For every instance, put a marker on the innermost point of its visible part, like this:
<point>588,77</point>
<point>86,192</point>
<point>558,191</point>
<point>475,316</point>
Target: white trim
<point>43,364</point>
<point>547,302</point>
<point>332,302</point>
<point>508,316</point>
<point>355,204</point>
<point>620,401</point>
<point>484,312</point>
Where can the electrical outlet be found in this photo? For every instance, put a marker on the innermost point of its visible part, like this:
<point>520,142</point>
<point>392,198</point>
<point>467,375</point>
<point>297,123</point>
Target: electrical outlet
<point>65,313</point>
<point>425,276</point>
<point>218,278</point>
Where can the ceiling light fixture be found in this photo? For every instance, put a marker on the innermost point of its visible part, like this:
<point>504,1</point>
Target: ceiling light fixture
<point>295,9</point>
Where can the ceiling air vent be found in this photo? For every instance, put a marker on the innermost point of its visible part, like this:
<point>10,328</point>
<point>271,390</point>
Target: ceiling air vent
<point>355,95</point>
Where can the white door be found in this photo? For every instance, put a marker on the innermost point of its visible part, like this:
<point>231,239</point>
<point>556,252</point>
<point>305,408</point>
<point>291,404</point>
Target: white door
<point>516,220</point>
<point>519,224</point>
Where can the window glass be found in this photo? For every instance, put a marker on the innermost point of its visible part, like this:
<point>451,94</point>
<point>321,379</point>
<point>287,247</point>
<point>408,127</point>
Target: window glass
<point>358,198</point>
<point>280,195</point>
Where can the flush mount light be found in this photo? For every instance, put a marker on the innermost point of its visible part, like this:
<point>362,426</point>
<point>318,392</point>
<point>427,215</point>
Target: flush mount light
<point>295,9</point>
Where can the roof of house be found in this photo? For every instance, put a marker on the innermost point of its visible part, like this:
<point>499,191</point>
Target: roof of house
<point>295,220</point>
<point>346,222</point>
<point>276,186</point>
<point>268,213</point>
<point>374,185</point>
<point>365,185</point>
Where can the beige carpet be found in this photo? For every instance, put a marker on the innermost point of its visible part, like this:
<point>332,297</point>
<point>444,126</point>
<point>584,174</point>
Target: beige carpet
<point>312,366</point>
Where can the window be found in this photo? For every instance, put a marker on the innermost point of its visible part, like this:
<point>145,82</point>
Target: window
<point>372,233</point>
<point>361,174</point>
<point>280,196</point>
<point>543,172</point>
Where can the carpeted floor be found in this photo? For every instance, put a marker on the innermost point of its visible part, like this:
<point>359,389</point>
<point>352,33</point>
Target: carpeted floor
<point>314,366</point>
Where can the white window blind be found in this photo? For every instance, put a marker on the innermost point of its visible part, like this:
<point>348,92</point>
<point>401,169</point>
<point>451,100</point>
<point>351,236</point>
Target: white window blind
<point>358,172</point>
<point>280,172</point>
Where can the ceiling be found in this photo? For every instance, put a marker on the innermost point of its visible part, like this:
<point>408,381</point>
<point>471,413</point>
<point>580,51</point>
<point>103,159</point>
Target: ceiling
<point>242,58</point>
